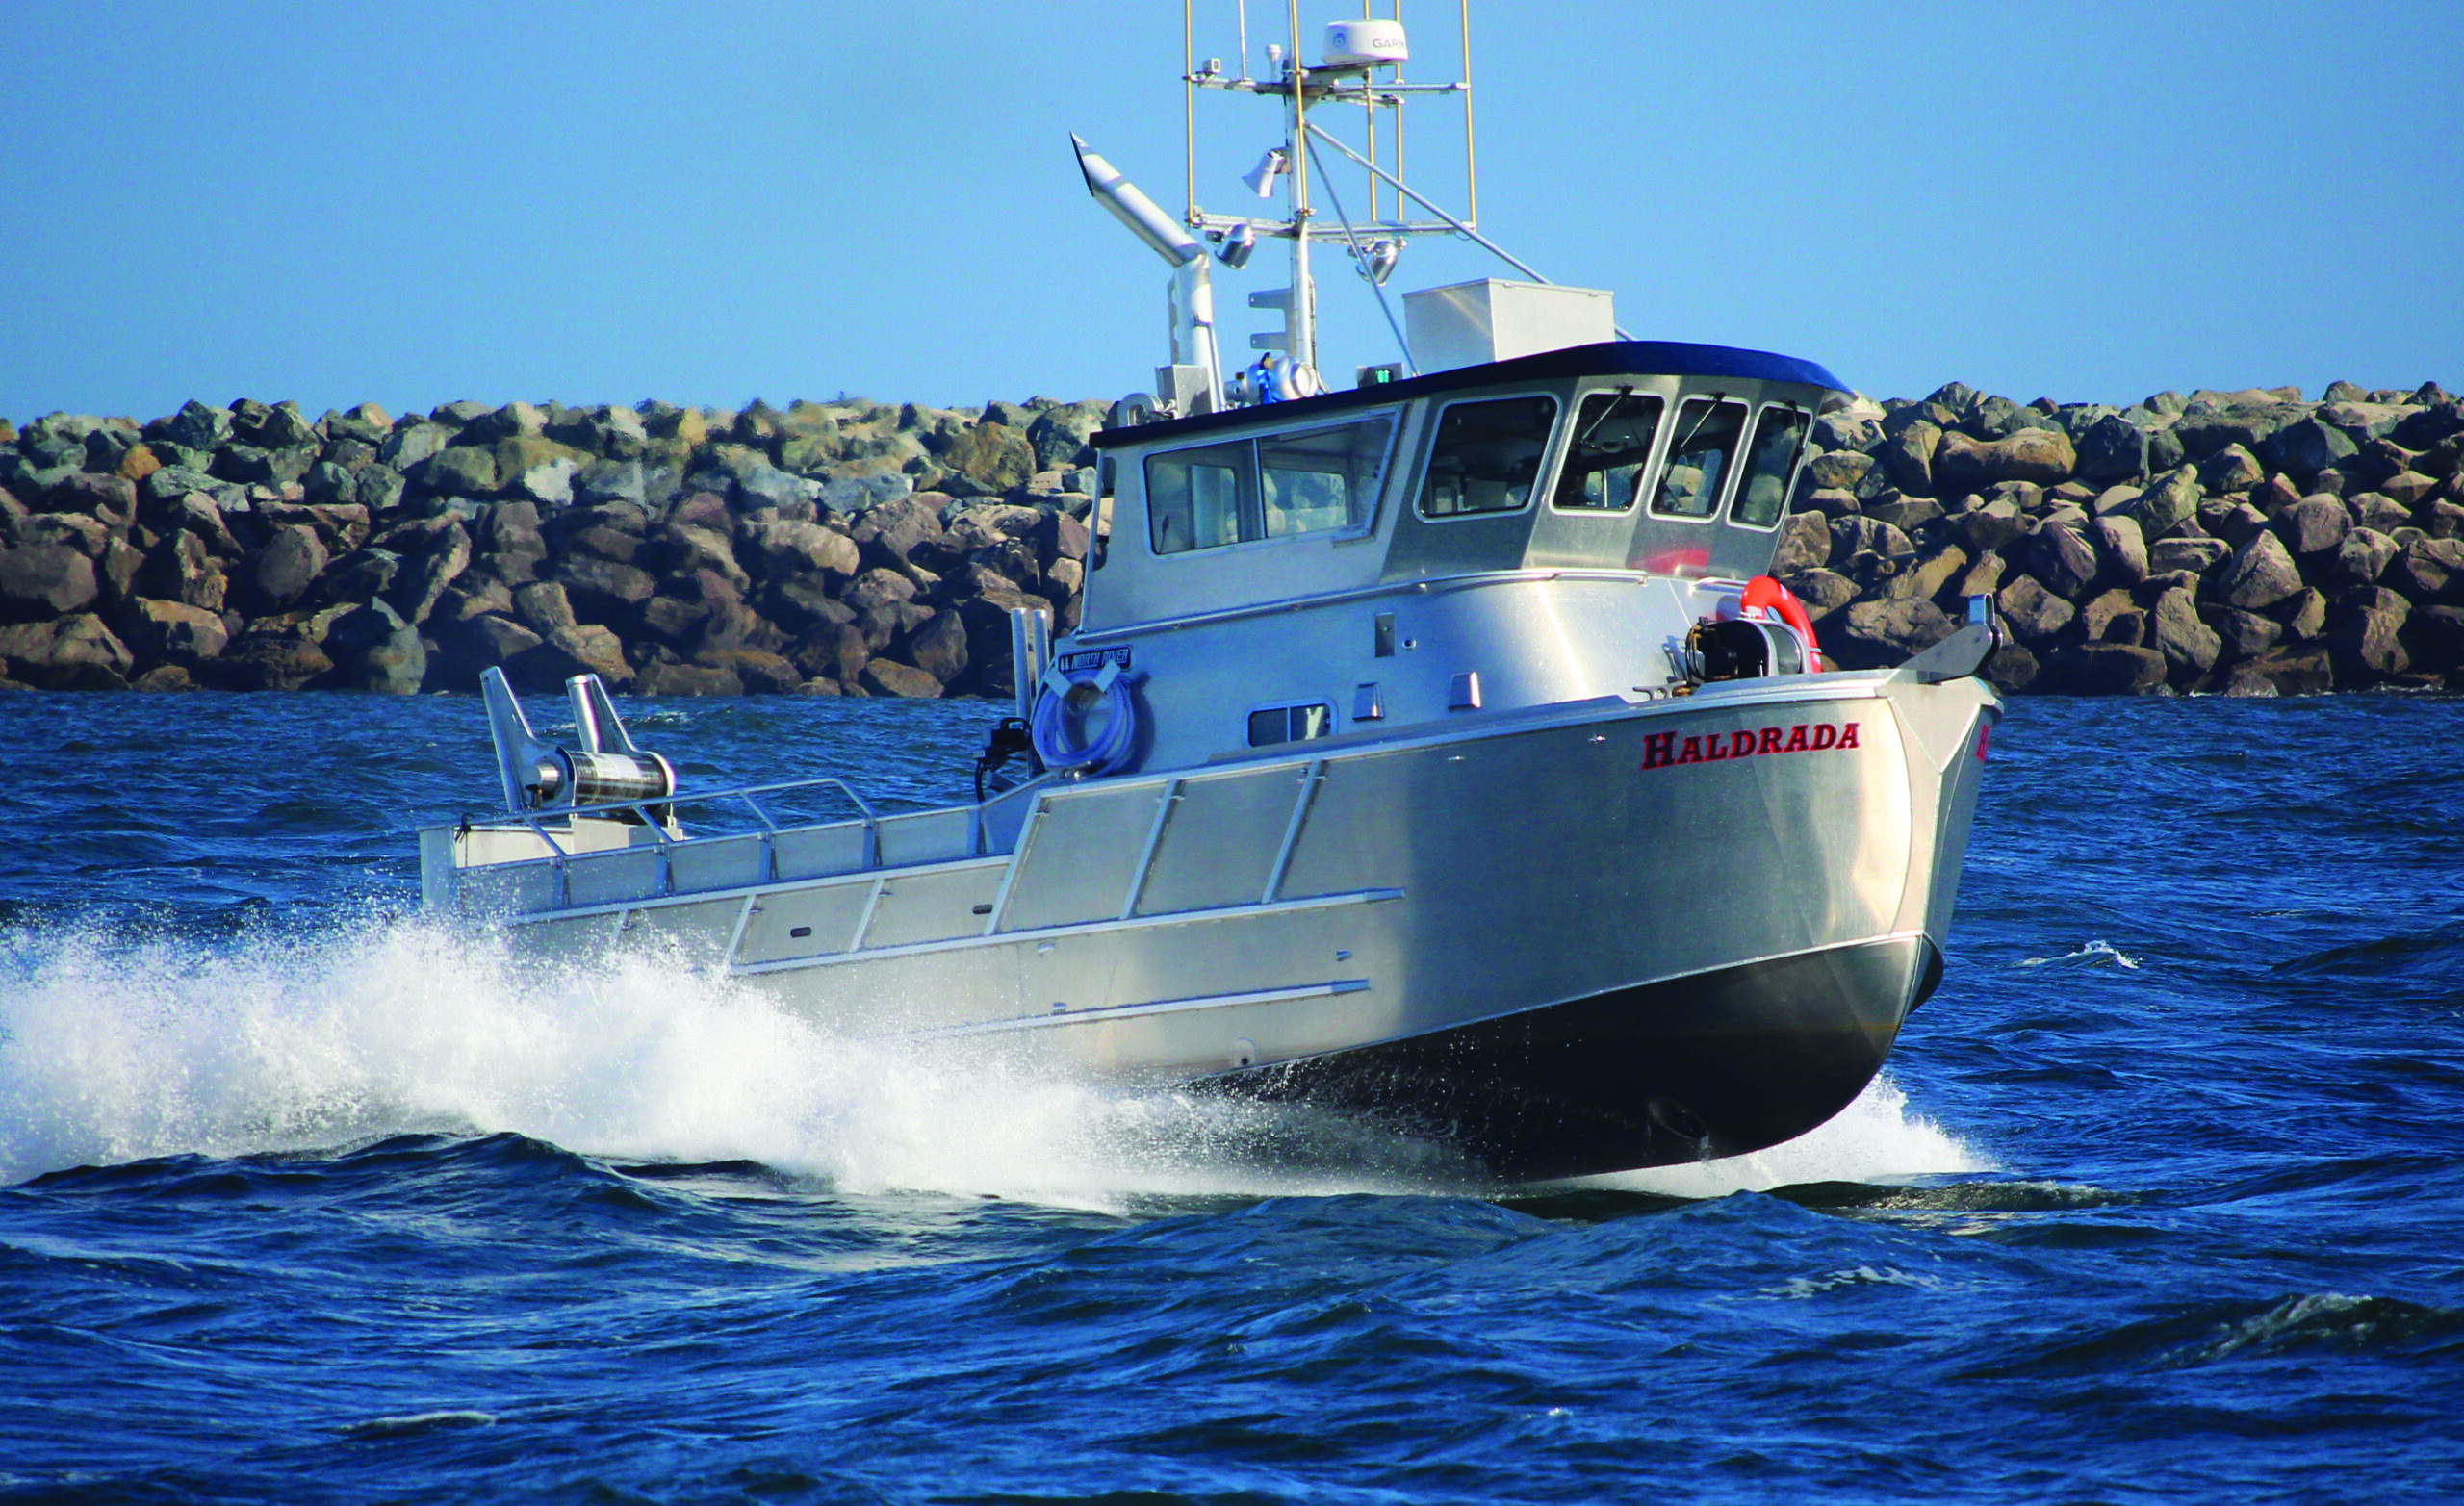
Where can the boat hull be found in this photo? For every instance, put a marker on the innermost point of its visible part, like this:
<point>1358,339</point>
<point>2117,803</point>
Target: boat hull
<point>1715,1064</point>
<point>1586,938</point>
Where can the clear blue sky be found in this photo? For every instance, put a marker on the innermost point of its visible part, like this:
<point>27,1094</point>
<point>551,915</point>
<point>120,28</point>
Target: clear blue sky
<point>708,203</point>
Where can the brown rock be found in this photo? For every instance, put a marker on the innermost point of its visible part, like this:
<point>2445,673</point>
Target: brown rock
<point>2260,574</point>
<point>877,588</point>
<point>1962,464</point>
<point>44,580</point>
<point>267,661</point>
<point>72,653</point>
<point>988,460</point>
<point>2314,524</point>
<point>138,463</point>
<point>939,648</point>
<point>2123,548</point>
<point>2061,557</point>
<point>2190,647</point>
<point>281,572</point>
<point>759,672</point>
<point>2105,669</point>
<point>544,608</point>
<point>1908,454</point>
<point>887,677</point>
<point>175,632</point>
<point>660,677</point>
<point>2244,634</point>
<point>789,548</point>
<point>2034,613</point>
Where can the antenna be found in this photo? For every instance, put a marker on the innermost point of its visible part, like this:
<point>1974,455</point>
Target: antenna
<point>1360,66</point>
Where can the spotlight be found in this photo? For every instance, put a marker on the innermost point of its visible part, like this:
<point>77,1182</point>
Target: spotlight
<point>1377,263</point>
<point>1238,243</point>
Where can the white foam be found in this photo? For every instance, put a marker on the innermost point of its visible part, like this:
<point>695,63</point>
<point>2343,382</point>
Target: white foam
<point>113,1051</point>
<point>1875,1139</point>
<point>2089,956</point>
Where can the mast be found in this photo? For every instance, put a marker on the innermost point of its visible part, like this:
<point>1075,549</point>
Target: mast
<point>1300,313</point>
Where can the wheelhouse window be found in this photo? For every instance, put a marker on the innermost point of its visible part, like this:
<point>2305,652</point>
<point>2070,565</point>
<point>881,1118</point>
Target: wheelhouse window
<point>1198,498</point>
<point>1611,445</point>
<point>1323,481</point>
<point>1278,487</point>
<point>1291,723</point>
<point>1699,457</point>
<point>1486,458</point>
<point>1763,489</point>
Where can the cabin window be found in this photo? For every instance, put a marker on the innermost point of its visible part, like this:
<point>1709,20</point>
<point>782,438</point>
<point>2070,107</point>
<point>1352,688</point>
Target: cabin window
<point>1291,723</point>
<point>1326,479</point>
<point>1195,498</point>
<point>1705,441</point>
<point>1487,456</point>
<point>1763,489</point>
<point>1611,445</point>
<point>1322,480</point>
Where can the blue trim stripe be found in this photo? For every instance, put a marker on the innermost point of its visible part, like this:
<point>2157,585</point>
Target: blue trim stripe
<point>1607,358</point>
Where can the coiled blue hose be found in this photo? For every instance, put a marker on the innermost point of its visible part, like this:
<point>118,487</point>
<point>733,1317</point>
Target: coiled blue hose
<point>1108,750</point>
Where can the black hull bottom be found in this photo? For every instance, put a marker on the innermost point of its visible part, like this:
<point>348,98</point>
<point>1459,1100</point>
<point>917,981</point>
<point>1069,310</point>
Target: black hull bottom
<point>1716,1065</point>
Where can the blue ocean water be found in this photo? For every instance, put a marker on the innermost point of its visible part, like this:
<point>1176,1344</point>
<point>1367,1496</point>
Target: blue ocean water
<point>303,1197</point>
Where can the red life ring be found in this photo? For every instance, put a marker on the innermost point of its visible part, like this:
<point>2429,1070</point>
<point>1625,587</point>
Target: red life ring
<point>1769,595</point>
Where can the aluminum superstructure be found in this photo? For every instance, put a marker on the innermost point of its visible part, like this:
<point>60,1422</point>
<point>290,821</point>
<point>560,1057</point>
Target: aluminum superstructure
<point>1429,749</point>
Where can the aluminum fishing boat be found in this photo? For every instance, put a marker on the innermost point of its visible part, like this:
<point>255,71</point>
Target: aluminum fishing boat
<point>1437,749</point>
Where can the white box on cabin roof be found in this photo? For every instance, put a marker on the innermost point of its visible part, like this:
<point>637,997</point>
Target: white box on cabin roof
<point>1468,323</point>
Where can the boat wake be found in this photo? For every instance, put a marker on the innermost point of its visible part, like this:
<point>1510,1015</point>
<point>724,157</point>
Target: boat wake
<point>114,1050</point>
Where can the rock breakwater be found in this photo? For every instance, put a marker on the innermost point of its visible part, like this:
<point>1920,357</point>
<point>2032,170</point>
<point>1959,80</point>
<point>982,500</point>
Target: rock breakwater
<point>2245,543</point>
<point>2239,543</point>
<point>843,548</point>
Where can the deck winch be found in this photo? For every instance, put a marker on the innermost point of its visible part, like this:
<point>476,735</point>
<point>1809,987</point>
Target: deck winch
<point>607,769</point>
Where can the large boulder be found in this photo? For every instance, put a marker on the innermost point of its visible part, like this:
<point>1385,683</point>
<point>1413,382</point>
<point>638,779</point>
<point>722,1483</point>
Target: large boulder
<point>377,651</point>
<point>1060,435</point>
<point>175,632</point>
<point>280,572</point>
<point>987,460</point>
<point>2166,504</point>
<point>2260,573</point>
<point>2197,556</point>
<point>1962,464</point>
<point>789,548</point>
<point>2308,448</point>
<point>939,648</point>
<point>271,661</point>
<point>72,653</point>
<point>2034,614</point>
<point>2111,449</point>
<point>2314,526</point>
<point>2190,647</point>
<point>2104,669</point>
<point>40,582</point>
<point>1908,454</point>
<point>461,470</point>
<point>2061,556</point>
<point>1879,634</point>
<point>889,677</point>
<point>1804,542</point>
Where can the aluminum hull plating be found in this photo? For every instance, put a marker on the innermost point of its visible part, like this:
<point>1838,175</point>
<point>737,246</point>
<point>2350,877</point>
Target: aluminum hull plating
<point>1551,937</point>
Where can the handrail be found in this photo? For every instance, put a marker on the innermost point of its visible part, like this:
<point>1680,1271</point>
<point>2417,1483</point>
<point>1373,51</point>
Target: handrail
<point>653,821</point>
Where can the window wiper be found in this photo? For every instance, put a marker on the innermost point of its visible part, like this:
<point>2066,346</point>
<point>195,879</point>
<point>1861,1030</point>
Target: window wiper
<point>1709,408</point>
<point>1605,414</point>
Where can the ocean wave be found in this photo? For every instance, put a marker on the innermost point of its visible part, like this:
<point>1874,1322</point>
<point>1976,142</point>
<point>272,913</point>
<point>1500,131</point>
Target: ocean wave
<point>2089,956</point>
